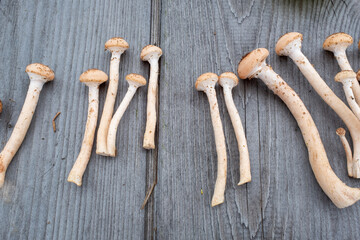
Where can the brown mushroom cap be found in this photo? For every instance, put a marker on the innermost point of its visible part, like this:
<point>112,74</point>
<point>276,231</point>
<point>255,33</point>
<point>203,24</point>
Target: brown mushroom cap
<point>358,75</point>
<point>340,132</point>
<point>116,44</point>
<point>1,106</point>
<point>285,39</point>
<point>41,70</point>
<point>337,39</point>
<point>137,79</point>
<point>93,76</point>
<point>205,80</point>
<point>229,75</point>
<point>250,61</point>
<point>344,75</point>
<point>149,51</point>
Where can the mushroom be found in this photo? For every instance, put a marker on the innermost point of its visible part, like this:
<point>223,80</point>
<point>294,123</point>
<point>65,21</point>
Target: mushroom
<point>206,83</point>
<point>38,74</point>
<point>338,43</point>
<point>91,78</point>
<point>135,81</point>
<point>290,45</point>
<point>341,133</point>
<point>1,106</point>
<point>253,66</point>
<point>347,77</point>
<point>229,80</point>
<point>151,54</point>
<point>116,46</point>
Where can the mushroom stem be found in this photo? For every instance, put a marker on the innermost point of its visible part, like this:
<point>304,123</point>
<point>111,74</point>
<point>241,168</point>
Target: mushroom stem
<point>347,86</point>
<point>341,133</point>
<point>290,45</point>
<point>339,193</point>
<point>39,74</point>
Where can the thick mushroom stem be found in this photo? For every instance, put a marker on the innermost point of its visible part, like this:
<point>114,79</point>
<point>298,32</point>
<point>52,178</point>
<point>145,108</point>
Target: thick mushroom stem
<point>39,74</point>
<point>92,78</point>
<point>151,54</point>
<point>290,45</point>
<point>206,82</point>
<point>117,46</point>
<point>135,81</point>
<point>253,65</point>
<point>341,133</point>
<point>228,81</point>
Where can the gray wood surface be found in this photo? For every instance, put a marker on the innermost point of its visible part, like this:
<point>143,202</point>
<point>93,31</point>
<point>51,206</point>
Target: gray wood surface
<point>283,201</point>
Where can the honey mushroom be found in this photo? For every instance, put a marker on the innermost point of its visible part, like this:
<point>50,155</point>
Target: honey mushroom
<point>116,46</point>
<point>253,65</point>
<point>228,81</point>
<point>39,74</point>
<point>206,83</point>
<point>91,78</point>
<point>341,133</point>
<point>290,45</point>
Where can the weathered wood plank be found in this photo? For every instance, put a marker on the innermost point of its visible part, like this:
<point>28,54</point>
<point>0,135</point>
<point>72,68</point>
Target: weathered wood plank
<point>37,202</point>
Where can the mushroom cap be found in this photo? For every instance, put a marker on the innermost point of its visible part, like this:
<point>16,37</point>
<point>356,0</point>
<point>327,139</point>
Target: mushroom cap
<point>285,39</point>
<point>228,78</point>
<point>1,106</point>
<point>136,79</point>
<point>358,75</point>
<point>150,51</point>
<point>41,70</point>
<point>93,76</point>
<point>337,40</point>
<point>344,75</point>
<point>250,61</point>
<point>116,44</point>
<point>340,132</point>
<point>205,80</point>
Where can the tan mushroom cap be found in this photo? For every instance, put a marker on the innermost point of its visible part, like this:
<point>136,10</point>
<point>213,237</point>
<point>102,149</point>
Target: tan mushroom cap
<point>136,78</point>
<point>358,75</point>
<point>229,75</point>
<point>250,61</point>
<point>42,70</point>
<point>337,39</point>
<point>149,51</point>
<point>285,39</point>
<point>344,75</point>
<point>1,106</point>
<point>116,42</point>
<point>93,76</point>
<point>204,79</point>
<point>340,132</point>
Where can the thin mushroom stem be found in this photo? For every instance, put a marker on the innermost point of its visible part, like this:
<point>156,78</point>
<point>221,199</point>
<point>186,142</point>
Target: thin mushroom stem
<point>228,81</point>
<point>206,83</point>
<point>253,66</point>
<point>290,45</point>
<point>347,86</point>
<point>341,133</point>
<point>39,74</point>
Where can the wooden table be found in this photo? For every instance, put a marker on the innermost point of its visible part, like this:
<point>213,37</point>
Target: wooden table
<point>283,201</point>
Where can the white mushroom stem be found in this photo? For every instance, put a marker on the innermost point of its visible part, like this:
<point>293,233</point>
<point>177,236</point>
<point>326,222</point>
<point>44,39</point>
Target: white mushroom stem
<point>21,126</point>
<point>151,111</point>
<point>341,133</point>
<point>293,50</point>
<point>83,158</point>
<point>347,86</point>
<point>101,140</point>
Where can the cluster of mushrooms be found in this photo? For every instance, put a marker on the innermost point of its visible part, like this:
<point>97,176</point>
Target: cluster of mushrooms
<point>106,138</point>
<point>253,65</point>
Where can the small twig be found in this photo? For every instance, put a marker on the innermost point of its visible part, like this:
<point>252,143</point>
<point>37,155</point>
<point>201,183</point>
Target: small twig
<point>148,194</point>
<point>53,121</point>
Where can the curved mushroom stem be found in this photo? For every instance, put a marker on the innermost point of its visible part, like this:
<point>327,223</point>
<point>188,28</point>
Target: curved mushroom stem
<point>21,127</point>
<point>111,139</point>
<point>341,133</point>
<point>101,140</point>
<point>293,50</point>
<point>347,86</point>
<point>339,193</point>
<point>245,173</point>
<point>83,158</point>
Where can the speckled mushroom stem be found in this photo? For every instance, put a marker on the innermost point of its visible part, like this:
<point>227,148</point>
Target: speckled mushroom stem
<point>341,133</point>
<point>339,193</point>
<point>245,173</point>
<point>83,158</point>
<point>350,98</point>
<point>21,127</point>
<point>101,140</point>
<point>151,111</point>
